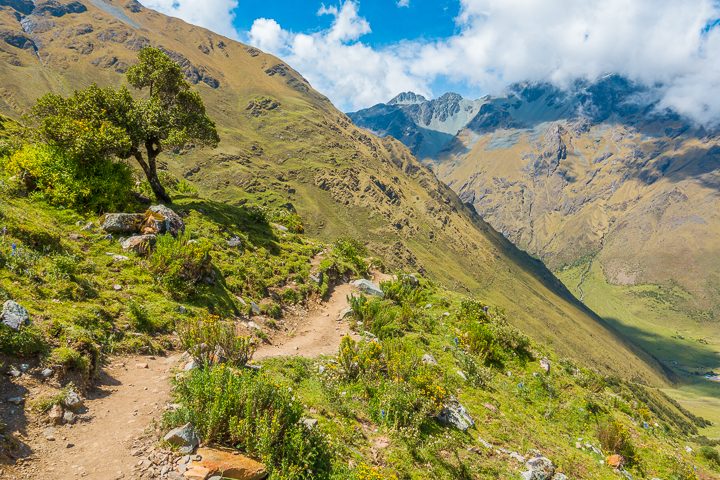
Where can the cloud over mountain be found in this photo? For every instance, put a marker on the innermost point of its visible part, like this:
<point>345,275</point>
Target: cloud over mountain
<point>672,43</point>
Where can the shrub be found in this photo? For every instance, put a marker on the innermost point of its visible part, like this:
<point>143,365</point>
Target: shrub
<point>614,438</point>
<point>211,339</point>
<point>244,409</point>
<point>400,406</point>
<point>68,359</point>
<point>26,341</point>
<point>477,375</point>
<point>380,317</point>
<point>356,358</point>
<point>711,455</point>
<point>181,263</point>
<point>67,181</point>
<point>348,256</point>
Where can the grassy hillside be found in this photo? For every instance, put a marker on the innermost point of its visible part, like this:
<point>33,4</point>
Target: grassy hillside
<point>283,142</point>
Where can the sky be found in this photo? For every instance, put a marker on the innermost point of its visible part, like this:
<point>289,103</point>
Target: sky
<point>363,52</point>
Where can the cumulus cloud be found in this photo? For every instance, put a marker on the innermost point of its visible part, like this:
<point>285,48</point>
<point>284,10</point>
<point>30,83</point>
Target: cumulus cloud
<point>215,15</point>
<point>498,42</point>
<point>336,61</point>
<point>672,43</point>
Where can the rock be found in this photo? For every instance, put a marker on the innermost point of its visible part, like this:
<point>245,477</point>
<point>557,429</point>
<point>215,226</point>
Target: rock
<point>234,242</point>
<point>14,372</point>
<point>24,367</point>
<point>69,418</point>
<point>454,414</point>
<point>55,415</point>
<point>49,434</point>
<point>72,401</point>
<point>14,315</point>
<point>560,476</point>
<point>255,308</point>
<point>190,365</point>
<point>368,287</point>
<point>183,437</point>
<point>310,423</point>
<point>46,373</point>
<point>122,222</point>
<point>229,464</point>
<point>197,473</point>
<point>140,244</point>
<point>142,365</point>
<point>428,359</point>
<point>117,287</point>
<point>16,400</point>
<point>615,461</point>
<point>279,227</point>
<point>118,258</point>
<point>163,220</point>
<point>545,365</point>
<point>539,468</point>
<point>517,457</point>
<point>345,312</point>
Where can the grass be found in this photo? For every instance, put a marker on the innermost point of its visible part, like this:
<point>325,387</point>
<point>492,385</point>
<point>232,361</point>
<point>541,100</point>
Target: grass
<point>652,317</point>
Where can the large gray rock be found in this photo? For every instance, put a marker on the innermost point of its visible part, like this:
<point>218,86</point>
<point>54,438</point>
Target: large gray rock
<point>454,414</point>
<point>185,438</point>
<point>366,286</point>
<point>73,401</point>
<point>122,222</point>
<point>14,315</point>
<point>161,219</point>
<point>140,244</point>
<point>539,468</point>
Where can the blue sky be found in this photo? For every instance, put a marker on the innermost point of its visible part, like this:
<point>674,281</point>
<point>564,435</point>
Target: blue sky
<point>361,52</point>
<point>420,19</point>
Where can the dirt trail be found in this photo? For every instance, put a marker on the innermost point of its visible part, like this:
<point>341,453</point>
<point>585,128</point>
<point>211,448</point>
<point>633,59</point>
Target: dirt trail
<point>128,399</point>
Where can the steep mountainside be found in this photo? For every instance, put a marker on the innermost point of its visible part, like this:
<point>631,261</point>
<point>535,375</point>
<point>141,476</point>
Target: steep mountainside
<point>616,196</point>
<point>282,140</point>
<point>425,126</point>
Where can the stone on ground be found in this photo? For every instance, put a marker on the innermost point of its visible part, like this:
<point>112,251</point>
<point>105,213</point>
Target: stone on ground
<point>14,315</point>
<point>183,437</point>
<point>229,465</point>
<point>140,244</point>
<point>161,219</point>
<point>455,415</point>
<point>122,222</point>
<point>368,287</point>
<point>539,468</point>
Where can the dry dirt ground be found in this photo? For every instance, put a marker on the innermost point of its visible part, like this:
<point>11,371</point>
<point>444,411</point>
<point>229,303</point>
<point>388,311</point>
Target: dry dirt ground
<point>134,391</point>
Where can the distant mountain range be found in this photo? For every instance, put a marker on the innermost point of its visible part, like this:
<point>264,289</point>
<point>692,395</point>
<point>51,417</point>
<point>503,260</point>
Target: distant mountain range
<point>619,197</point>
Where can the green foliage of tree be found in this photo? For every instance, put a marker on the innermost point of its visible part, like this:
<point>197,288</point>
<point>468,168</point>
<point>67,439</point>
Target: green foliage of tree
<point>97,123</point>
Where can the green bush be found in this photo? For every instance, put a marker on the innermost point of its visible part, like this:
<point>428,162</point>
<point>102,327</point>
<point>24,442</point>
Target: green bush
<point>26,341</point>
<point>711,455</point>
<point>181,263</point>
<point>68,359</point>
<point>247,411</point>
<point>66,181</point>
<point>347,258</point>
<point>209,338</point>
<point>400,406</point>
<point>614,438</point>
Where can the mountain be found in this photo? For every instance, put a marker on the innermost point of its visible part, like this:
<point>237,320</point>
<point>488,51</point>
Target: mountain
<point>285,145</point>
<point>425,126</point>
<point>618,196</point>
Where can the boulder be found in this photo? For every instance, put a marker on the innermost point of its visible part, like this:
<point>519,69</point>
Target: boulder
<point>428,359</point>
<point>229,464</point>
<point>14,315</point>
<point>454,414</point>
<point>539,468</point>
<point>185,438</point>
<point>161,219</point>
<point>55,415</point>
<point>545,365</point>
<point>197,473</point>
<point>140,244</point>
<point>122,222</point>
<point>72,401</point>
<point>368,287</point>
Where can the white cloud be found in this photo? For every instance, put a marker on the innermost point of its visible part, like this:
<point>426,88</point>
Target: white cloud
<point>499,42</point>
<point>403,3</point>
<point>215,15</point>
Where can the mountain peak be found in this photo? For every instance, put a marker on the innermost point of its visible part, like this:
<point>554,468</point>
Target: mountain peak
<point>407,98</point>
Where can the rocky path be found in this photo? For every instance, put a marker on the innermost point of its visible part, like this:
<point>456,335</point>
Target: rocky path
<point>132,394</point>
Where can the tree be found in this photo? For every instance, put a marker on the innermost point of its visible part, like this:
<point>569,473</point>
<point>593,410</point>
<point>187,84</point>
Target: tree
<point>172,117</point>
<point>95,123</point>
